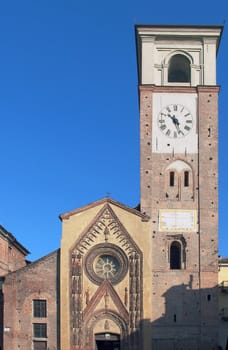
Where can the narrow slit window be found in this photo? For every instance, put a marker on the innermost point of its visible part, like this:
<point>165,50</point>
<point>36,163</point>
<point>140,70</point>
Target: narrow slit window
<point>171,179</point>
<point>186,179</point>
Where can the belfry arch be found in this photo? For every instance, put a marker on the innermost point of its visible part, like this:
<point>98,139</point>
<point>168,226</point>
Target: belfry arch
<point>178,68</point>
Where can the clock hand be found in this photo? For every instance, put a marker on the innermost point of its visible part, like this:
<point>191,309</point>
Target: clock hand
<point>174,119</point>
<point>177,125</point>
<point>175,122</point>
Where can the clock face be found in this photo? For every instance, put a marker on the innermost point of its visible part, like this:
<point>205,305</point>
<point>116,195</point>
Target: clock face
<point>175,121</point>
<point>106,266</point>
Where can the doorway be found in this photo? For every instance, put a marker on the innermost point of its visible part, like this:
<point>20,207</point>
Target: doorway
<point>107,341</point>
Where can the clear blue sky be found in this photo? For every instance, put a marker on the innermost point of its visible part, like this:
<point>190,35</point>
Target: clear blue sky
<point>69,108</point>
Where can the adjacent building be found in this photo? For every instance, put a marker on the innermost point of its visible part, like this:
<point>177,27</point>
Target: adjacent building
<point>145,277</point>
<point>223,302</point>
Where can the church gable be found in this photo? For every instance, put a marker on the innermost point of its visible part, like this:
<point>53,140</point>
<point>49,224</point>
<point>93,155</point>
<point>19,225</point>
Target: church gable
<point>105,280</point>
<point>106,227</point>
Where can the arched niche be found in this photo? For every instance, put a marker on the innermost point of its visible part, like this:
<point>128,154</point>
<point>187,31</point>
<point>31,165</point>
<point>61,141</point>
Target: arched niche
<point>177,181</point>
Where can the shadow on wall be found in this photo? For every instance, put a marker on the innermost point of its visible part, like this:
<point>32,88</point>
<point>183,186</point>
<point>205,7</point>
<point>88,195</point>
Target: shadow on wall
<point>189,322</point>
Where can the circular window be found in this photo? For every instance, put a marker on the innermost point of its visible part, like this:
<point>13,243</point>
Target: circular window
<point>106,266</point>
<point>106,261</point>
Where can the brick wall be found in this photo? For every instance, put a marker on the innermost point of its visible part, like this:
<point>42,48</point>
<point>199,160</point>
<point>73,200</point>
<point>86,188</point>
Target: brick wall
<point>39,280</point>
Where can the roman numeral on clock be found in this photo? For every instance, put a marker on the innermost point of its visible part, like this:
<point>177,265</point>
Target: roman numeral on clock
<point>186,127</point>
<point>163,127</point>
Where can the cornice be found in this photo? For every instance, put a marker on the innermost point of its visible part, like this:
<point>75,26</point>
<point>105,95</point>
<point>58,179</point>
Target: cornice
<point>105,200</point>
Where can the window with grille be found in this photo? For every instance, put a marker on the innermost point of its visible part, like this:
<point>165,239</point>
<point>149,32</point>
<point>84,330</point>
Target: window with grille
<point>39,345</point>
<point>40,330</point>
<point>39,308</point>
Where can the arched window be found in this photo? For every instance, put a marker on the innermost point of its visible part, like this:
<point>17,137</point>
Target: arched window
<point>175,256</point>
<point>179,69</point>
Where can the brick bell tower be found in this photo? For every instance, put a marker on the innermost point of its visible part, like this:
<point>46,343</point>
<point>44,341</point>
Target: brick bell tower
<point>178,98</point>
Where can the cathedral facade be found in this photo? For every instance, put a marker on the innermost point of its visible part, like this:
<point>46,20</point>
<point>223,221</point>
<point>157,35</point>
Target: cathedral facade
<point>146,277</point>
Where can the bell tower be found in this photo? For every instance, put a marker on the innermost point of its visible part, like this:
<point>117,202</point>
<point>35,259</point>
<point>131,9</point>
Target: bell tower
<point>178,98</point>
